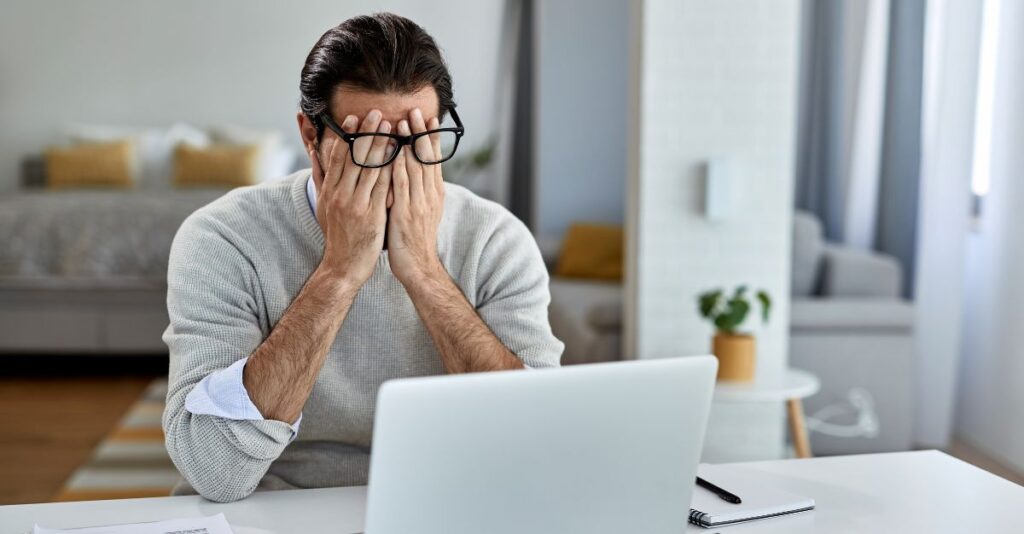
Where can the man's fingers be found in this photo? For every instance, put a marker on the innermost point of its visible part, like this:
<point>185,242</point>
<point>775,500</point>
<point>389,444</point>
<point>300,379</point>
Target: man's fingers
<point>331,168</point>
<point>363,144</point>
<point>400,180</point>
<point>423,146</point>
<point>380,190</point>
<point>360,150</point>
<point>403,127</point>
<point>413,168</point>
<point>417,195</point>
<point>426,151</point>
<point>337,153</point>
<point>380,143</point>
<point>416,121</point>
<point>368,177</point>
<point>435,139</point>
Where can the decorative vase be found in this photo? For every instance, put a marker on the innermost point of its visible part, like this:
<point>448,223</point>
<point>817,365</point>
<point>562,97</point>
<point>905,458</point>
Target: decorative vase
<point>736,354</point>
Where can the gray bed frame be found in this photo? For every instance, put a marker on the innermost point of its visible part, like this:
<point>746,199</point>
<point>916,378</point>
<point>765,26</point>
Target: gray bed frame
<point>83,317</point>
<point>87,320</point>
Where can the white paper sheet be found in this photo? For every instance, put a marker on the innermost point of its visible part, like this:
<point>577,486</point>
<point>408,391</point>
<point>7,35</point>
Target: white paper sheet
<point>214,524</point>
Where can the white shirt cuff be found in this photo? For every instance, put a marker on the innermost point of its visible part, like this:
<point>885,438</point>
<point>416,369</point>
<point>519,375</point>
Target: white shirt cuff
<point>222,394</point>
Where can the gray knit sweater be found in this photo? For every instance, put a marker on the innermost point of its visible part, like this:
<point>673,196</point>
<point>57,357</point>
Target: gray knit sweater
<point>235,266</point>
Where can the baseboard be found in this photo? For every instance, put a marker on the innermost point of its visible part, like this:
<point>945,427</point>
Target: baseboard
<point>49,365</point>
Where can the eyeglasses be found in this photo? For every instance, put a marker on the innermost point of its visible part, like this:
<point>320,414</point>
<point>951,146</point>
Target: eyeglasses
<point>360,144</point>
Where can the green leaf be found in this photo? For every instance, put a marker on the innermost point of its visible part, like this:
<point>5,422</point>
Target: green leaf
<point>740,290</point>
<point>707,302</point>
<point>724,324</point>
<point>482,158</point>
<point>766,304</point>
<point>734,314</point>
<point>740,308</point>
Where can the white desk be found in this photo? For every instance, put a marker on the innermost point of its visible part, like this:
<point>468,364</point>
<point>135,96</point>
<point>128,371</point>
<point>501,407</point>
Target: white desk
<point>924,491</point>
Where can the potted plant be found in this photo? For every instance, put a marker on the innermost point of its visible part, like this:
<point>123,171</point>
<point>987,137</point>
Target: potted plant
<point>735,350</point>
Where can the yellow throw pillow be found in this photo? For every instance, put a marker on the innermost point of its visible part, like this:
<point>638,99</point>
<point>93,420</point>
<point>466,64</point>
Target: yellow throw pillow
<point>91,165</point>
<point>591,251</point>
<point>218,165</point>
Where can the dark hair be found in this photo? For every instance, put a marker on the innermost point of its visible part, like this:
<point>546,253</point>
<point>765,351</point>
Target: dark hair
<point>383,53</point>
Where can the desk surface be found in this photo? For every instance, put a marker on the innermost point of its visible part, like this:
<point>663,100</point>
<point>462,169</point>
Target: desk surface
<point>925,491</point>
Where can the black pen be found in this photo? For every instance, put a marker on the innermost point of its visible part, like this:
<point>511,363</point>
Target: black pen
<point>722,494</point>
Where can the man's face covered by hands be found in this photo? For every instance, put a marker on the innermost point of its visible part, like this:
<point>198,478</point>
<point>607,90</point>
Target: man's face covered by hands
<point>356,110</point>
<point>397,206</point>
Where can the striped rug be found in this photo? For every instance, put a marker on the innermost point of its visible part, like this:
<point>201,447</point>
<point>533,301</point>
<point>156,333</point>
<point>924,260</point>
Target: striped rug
<point>131,461</point>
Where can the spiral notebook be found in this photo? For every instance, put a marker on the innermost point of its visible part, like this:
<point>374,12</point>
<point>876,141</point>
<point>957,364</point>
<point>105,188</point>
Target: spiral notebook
<point>760,500</point>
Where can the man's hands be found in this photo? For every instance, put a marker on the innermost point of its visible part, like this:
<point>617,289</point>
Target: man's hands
<point>352,211</point>
<point>352,207</point>
<point>419,203</point>
<point>351,202</point>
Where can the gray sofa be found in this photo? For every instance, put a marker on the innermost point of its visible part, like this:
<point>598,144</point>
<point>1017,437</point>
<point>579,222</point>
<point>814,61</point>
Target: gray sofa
<point>849,325</point>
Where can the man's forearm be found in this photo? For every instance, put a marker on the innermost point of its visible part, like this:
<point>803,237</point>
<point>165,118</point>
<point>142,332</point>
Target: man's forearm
<point>281,372</point>
<point>464,341</point>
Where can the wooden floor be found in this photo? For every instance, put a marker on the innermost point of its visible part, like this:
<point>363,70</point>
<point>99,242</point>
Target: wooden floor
<point>50,425</point>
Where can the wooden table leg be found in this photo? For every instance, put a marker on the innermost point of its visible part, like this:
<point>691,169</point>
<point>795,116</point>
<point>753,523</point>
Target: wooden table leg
<point>798,428</point>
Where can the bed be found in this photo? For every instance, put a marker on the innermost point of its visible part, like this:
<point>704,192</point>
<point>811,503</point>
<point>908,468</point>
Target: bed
<point>85,271</point>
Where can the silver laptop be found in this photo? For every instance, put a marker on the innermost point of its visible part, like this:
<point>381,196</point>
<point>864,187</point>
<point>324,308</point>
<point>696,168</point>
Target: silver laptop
<point>597,449</point>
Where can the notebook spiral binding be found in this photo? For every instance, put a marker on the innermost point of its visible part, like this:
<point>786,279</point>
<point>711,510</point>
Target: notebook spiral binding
<point>699,518</point>
<point>704,519</point>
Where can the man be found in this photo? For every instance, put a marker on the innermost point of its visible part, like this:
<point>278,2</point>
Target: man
<point>291,302</point>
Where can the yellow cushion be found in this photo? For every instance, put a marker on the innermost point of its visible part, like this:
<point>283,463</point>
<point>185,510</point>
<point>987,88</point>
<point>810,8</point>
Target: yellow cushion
<point>591,251</point>
<point>91,165</point>
<point>218,165</point>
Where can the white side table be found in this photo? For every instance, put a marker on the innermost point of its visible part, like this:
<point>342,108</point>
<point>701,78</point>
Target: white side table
<point>790,386</point>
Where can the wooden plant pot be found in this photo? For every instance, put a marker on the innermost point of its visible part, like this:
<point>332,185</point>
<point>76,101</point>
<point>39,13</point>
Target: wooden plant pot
<point>736,356</point>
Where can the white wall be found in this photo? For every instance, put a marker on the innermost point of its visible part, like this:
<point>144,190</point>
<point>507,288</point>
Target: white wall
<point>717,79</point>
<point>231,61</point>
<point>582,76</point>
<point>991,396</point>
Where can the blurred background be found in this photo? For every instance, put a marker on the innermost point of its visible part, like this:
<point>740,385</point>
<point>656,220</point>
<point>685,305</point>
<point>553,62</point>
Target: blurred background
<point>856,161</point>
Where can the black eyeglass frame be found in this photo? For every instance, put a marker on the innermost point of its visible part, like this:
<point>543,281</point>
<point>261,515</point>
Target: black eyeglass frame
<point>400,140</point>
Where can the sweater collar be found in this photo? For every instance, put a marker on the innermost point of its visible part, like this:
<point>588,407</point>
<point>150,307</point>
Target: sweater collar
<point>311,194</point>
<point>305,206</point>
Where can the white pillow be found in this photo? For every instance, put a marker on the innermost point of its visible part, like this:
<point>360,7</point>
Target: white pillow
<point>281,163</point>
<point>276,159</point>
<point>154,147</point>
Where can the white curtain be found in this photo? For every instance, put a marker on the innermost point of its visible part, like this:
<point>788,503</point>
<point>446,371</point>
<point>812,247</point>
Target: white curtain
<point>990,397</point>
<point>843,110</point>
<point>859,146</point>
<point>868,37</point>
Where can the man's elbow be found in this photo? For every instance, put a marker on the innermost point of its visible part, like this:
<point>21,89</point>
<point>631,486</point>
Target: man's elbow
<point>217,483</point>
<point>218,492</point>
<point>208,475</point>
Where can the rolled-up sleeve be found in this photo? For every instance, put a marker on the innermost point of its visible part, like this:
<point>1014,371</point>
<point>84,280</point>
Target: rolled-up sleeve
<point>223,394</point>
<point>214,324</point>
